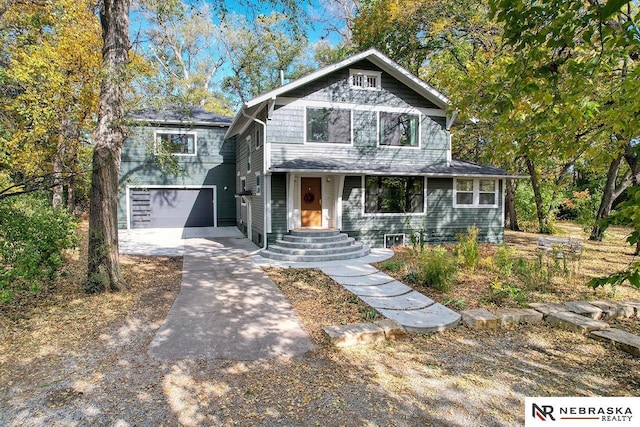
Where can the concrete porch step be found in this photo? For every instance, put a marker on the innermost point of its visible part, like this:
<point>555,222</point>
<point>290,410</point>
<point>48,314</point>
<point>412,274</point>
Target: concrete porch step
<point>314,233</point>
<point>316,251</point>
<point>362,252</point>
<point>315,239</point>
<point>315,245</point>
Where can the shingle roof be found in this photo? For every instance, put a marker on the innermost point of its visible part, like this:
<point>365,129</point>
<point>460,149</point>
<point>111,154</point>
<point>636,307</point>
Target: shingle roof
<point>457,168</point>
<point>181,115</point>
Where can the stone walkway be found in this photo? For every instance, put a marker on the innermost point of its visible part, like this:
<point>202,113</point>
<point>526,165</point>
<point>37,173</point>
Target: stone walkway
<point>585,317</point>
<point>393,299</point>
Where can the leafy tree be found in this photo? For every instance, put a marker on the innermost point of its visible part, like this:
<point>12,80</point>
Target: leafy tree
<point>50,74</point>
<point>182,45</point>
<point>258,52</point>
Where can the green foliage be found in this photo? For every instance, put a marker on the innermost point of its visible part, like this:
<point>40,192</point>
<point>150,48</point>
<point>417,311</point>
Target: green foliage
<point>499,293</point>
<point>628,213</point>
<point>504,260</point>
<point>456,303</point>
<point>467,249</point>
<point>393,265</point>
<point>437,269</point>
<point>32,238</point>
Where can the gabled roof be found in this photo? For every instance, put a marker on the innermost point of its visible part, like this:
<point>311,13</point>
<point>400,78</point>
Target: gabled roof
<point>181,116</point>
<point>373,55</point>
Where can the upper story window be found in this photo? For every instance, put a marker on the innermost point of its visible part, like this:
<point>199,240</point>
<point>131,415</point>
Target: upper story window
<point>475,192</point>
<point>399,129</point>
<point>330,125</point>
<point>258,184</point>
<point>248,143</point>
<point>394,194</point>
<point>176,143</point>
<point>365,79</point>
<point>258,136</point>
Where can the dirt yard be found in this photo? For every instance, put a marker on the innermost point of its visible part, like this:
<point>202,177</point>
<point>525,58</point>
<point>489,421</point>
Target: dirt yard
<point>67,358</point>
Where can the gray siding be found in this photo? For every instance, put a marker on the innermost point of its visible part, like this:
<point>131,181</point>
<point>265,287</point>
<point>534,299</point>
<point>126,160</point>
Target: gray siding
<point>286,127</point>
<point>257,166</point>
<point>441,223</point>
<point>278,206</point>
<point>335,88</point>
<point>214,165</point>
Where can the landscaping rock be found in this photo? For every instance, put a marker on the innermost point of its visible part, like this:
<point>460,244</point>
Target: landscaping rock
<point>621,339</point>
<point>515,316</point>
<point>583,308</point>
<point>575,322</point>
<point>547,308</point>
<point>357,333</point>
<point>614,310</point>
<point>392,329</point>
<point>635,304</point>
<point>480,319</point>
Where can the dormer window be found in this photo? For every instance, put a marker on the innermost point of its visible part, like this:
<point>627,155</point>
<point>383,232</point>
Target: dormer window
<point>364,79</point>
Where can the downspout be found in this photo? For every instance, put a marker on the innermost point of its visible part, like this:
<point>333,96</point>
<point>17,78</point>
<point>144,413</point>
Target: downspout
<point>264,170</point>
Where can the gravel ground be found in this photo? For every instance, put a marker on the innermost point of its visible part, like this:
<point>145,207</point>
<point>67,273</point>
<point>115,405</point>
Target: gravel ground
<point>67,358</point>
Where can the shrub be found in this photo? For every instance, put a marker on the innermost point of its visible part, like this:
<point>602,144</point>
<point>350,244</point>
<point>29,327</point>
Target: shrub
<point>437,269</point>
<point>499,293</point>
<point>504,259</point>
<point>33,236</point>
<point>467,248</point>
<point>392,265</point>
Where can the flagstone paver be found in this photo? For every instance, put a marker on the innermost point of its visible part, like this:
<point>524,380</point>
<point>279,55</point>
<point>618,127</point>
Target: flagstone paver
<point>635,304</point>
<point>353,334</point>
<point>624,340</point>
<point>480,318</point>
<point>583,308</point>
<point>547,308</point>
<point>576,322</point>
<point>516,316</point>
<point>392,329</point>
<point>613,310</point>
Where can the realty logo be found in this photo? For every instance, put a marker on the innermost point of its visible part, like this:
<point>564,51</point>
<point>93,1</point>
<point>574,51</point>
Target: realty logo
<point>542,412</point>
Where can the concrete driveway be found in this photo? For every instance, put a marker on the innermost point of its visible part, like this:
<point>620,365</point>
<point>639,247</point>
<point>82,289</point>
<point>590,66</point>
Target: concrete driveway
<point>227,308</point>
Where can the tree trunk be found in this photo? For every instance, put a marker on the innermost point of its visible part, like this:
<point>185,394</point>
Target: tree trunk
<point>57,189</point>
<point>511,221</point>
<point>104,263</point>
<point>610,192</point>
<point>543,226</point>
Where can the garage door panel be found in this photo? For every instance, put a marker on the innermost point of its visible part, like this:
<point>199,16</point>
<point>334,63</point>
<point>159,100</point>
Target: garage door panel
<point>172,208</point>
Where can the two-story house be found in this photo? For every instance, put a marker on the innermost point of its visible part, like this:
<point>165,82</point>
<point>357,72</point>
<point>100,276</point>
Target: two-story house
<point>362,146</point>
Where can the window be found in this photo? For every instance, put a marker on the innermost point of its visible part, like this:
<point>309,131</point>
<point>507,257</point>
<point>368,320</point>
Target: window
<point>476,192</point>
<point>330,125</point>
<point>248,142</point>
<point>243,188</point>
<point>364,79</point>
<point>487,192</point>
<point>176,143</point>
<point>258,184</point>
<point>464,192</point>
<point>258,135</point>
<point>399,129</point>
<point>394,194</point>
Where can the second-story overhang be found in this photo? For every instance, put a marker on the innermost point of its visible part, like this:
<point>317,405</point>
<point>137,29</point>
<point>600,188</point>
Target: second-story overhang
<point>457,169</point>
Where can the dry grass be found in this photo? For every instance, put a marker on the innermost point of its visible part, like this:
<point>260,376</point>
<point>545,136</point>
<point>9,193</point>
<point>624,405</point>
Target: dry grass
<point>320,301</point>
<point>567,282</point>
<point>67,358</point>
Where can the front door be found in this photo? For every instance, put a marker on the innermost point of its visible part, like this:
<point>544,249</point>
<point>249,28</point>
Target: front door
<point>311,202</point>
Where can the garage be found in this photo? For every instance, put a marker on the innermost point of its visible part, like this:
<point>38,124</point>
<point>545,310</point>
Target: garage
<point>169,207</point>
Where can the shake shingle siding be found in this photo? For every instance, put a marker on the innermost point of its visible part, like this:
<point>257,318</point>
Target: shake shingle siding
<point>214,164</point>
